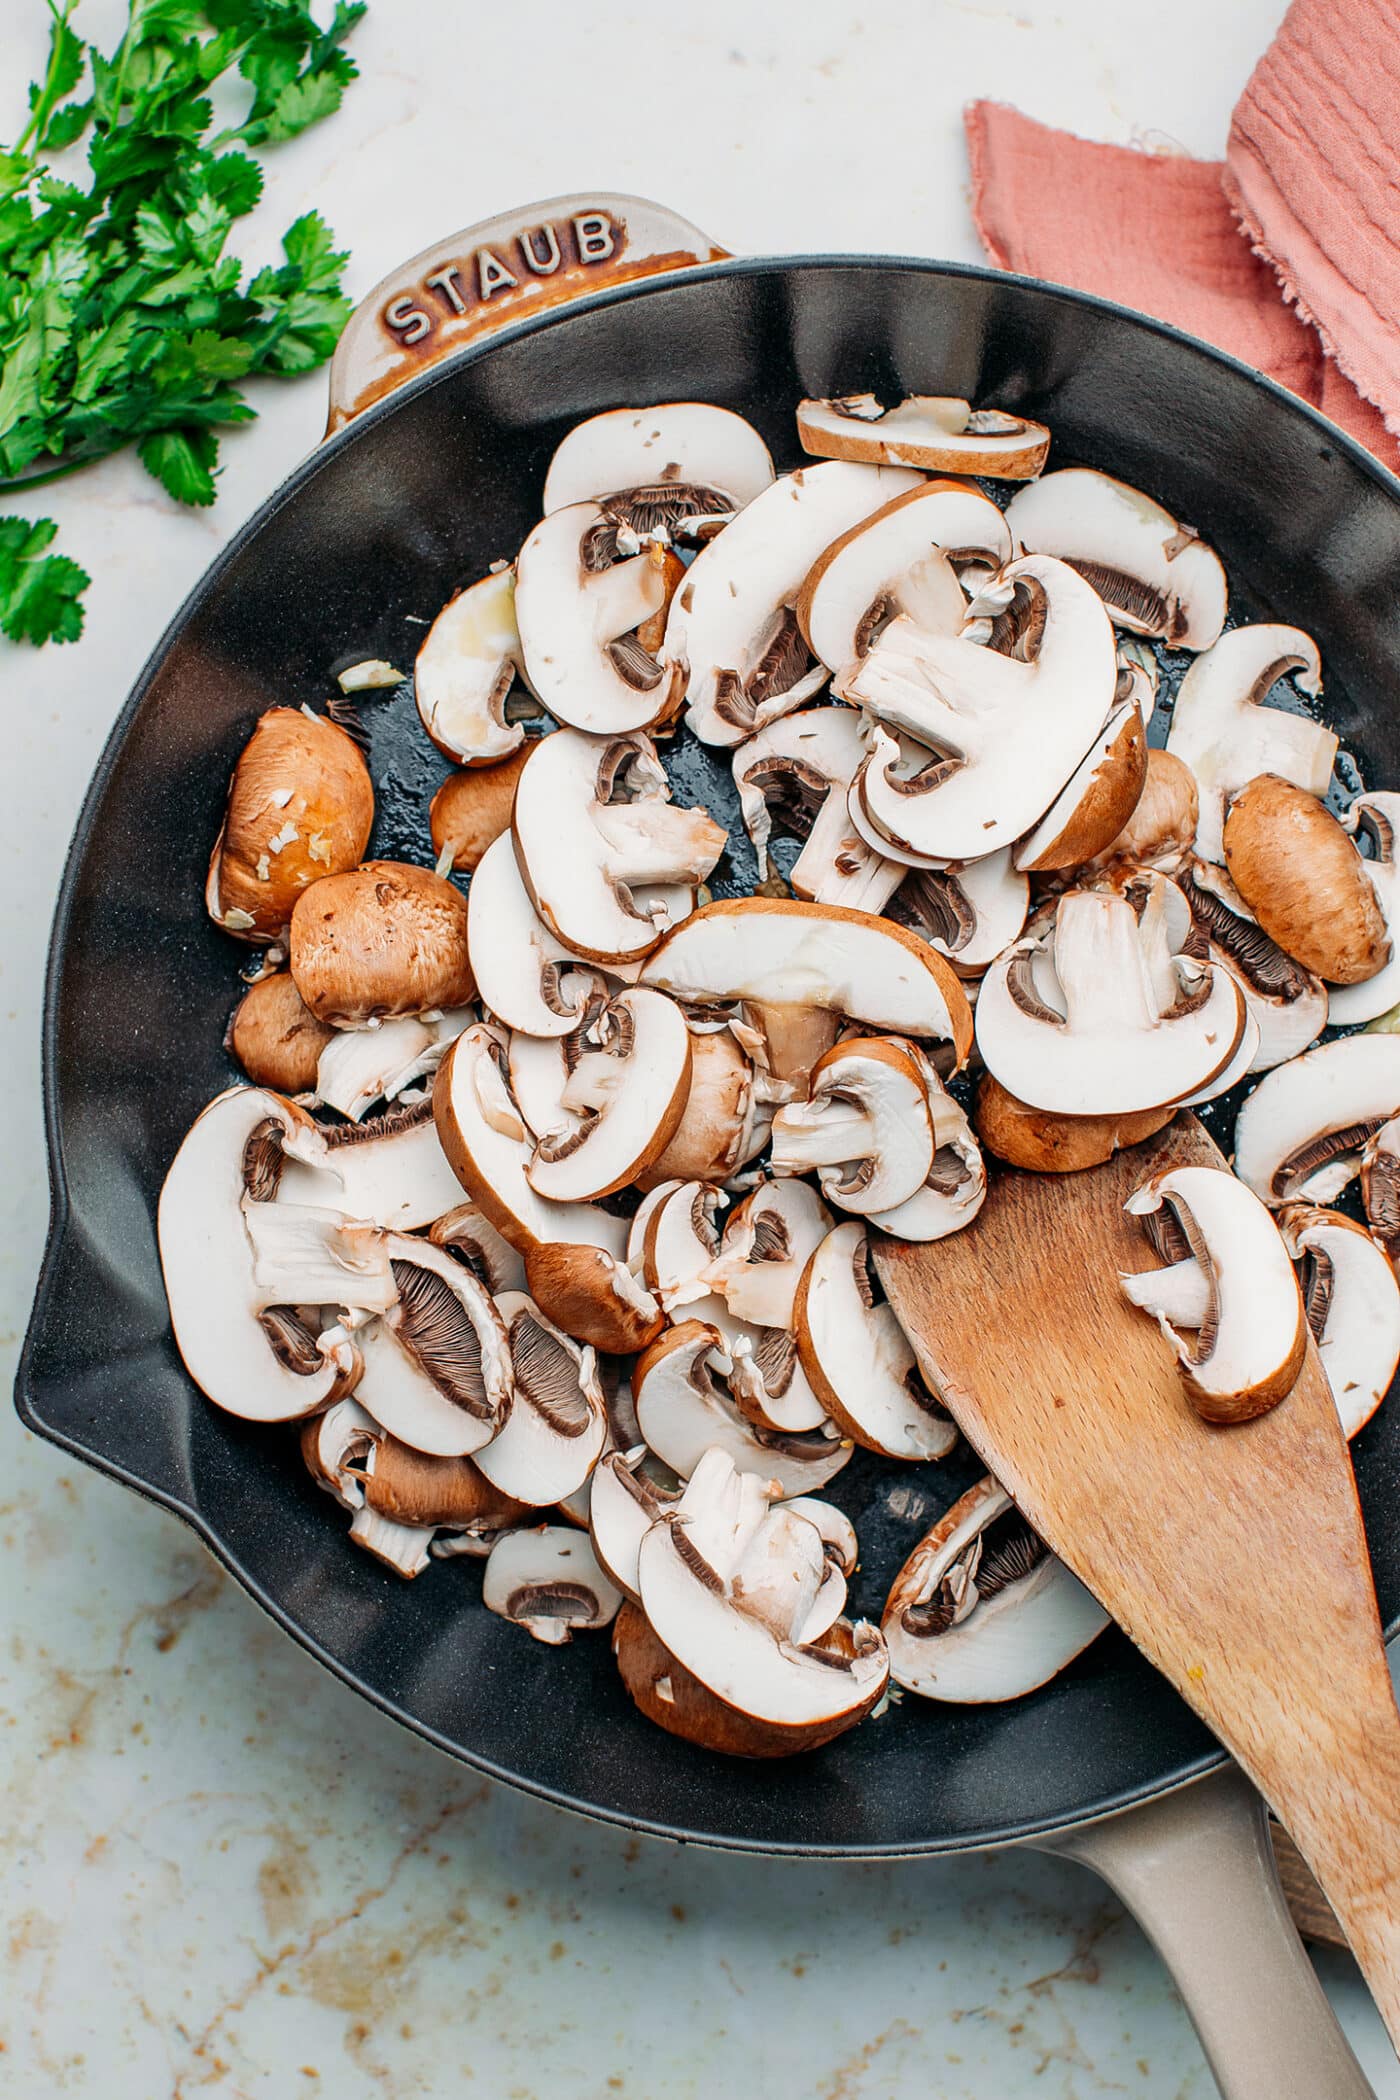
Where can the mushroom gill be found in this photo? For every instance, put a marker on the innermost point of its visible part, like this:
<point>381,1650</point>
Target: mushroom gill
<point>783,661</point>
<point>1291,1172</point>
<point>548,1376</point>
<point>432,1326</point>
<point>1129,594</point>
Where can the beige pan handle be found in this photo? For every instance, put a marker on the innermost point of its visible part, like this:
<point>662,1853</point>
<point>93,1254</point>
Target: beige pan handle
<point>522,263</point>
<point>1196,1870</point>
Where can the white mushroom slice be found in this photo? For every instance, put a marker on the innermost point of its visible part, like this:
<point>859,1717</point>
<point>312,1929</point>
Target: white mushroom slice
<point>732,620</point>
<point>934,431</point>
<point>609,861</point>
<point>525,975</point>
<point>782,954</point>
<point>1288,1004</point>
<point>899,560</point>
<point>1180,1295</point>
<point>1250,1347</point>
<point>798,772</point>
<point>557,1426</point>
<point>1352,1302</point>
<point>1302,1130</point>
<point>730,1586</point>
<point>882,752</point>
<point>578,625</point>
<point>469,1234</point>
<point>1223,731</point>
<point>684,1412</point>
<point>834,1527</point>
<point>1377,818</point>
<point>1096,801</point>
<point>489,1148</point>
<point>982,1610</point>
<point>626,1501</point>
<point>403,1547</point>
<point>628,1093</point>
<point>983,781</point>
<point>436,1366</point>
<point>956,1185</point>
<point>548,1580</point>
<point>1155,576</point>
<point>360,1066</point>
<point>239,1267</point>
<point>1138,677</point>
<point>1380,1187</point>
<point>865,1130</point>
<point>1244,1061</point>
<point>764,1248</point>
<point>641,1218</point>
<point>970,912</point>
<point>857,1357</point>
<point>1122,1042</point>
<point>465,669</point>
<point>389,1169</point>
<point>680,1243</point>
<point>335,1446</point>
<point>656,467</point>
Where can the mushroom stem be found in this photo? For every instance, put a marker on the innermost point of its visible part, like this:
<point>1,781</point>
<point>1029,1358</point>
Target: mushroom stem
<point>824,1133</point>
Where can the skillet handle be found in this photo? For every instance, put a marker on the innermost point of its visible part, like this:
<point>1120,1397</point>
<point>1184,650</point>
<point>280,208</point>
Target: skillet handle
<point>503,270</point>
<point>1196,1869</point>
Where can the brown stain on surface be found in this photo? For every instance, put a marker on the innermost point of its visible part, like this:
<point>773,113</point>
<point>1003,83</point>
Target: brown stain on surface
<point>287,1881</point>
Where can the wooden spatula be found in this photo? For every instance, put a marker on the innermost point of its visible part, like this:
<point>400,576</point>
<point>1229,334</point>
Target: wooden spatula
<point>1233,1557</point>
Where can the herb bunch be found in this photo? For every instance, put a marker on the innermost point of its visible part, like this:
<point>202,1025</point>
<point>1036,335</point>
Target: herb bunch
<point>122,319</point>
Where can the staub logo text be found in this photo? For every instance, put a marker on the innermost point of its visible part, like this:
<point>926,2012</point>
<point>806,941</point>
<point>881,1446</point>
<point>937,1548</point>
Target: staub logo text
<point>492,272</point>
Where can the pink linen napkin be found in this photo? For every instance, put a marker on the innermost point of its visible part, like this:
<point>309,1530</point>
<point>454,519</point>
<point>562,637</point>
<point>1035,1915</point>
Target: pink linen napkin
<point>1287,254</point>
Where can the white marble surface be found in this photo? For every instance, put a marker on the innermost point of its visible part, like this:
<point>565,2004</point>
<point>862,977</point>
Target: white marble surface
<point>222,1874</point>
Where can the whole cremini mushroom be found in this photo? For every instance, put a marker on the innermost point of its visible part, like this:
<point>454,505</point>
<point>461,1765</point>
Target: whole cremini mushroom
<point>383,939</point>
<point>1303,879</point>
<point>300,806</point>
<point>471,808</point>
<point>275,1036</point>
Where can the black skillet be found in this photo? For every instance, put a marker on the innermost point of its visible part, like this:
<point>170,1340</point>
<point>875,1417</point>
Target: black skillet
<point>461,373</point>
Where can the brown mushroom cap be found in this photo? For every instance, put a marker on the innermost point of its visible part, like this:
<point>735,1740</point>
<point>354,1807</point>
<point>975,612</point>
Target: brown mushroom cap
<point>709,1140</point>
<point>668,1694</point>
<point>592,1296</point>
<point>1098,800</point>
<point>472,807</point>
<point>300,806</point>
<point>275,1036</point>
<point>1162,827</point>
<point>1049,1144</point>
<point>384,939</point>
<point>414,1487</point>
<point>1303,879</point>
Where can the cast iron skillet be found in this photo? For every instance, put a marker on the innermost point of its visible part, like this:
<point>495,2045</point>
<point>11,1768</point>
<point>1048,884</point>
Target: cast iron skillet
<point>373,532</point>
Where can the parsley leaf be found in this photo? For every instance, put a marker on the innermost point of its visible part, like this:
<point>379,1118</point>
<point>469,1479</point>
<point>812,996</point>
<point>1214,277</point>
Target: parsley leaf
<point>122,318</point>
<point>39,592</point>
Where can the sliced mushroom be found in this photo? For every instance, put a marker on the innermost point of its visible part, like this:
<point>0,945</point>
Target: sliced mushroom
<point>1223,731</point>
<point>1375,817</point>
<point>1287,1002</point>
<point>865,1129</point>
<point>1305,882</point>
<point>1155,576</point>
<point>730,1587</point>
<point>627,1088</point>
<point>437,1371</point>
<point>275,1036</point>
<point>779,954</point>
<point>684,1411</point>
<point>766,1244</point>
<point>732,621</point>
<point>1162,828</point>
<point>1302,1131</point>
<point>934,431</point>
<point>899,560</point>
<point>469,1234</point>
<point>240,1268</point>
<point>525,976</point>
<point>335,1445</point>
<point>956,1184</point>
<point>656,467</point>
<point>857,1357</point>
<point>1097,800</point>
<point>593,1296</point>
<point>1352,1302</point>
<point>627,1500</point>
<point>359,1066</point>
<point>1250,1347</point>
<point>1047,1144</point>
<point>980,781</point>
<point>969,912</point>
<point>680,1242</point>
<point>556,1428</point>
<point>548,1580</point>
<point>725,1118</point>
<point>465,669</point>
<point>608,859</point>
<point>1128,1038</point>
<point>471,808</point>
<point>489,1148</point>
<point>579,612</point>
<point>300,806</point>
<point>382,939</point>
<point>389,1170</point>
<point>982,1610</point>
<point>1380,1186</point>
<point>798,772</point>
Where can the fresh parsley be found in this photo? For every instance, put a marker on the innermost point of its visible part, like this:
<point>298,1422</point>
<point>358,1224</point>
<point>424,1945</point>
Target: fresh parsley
<point>122,319</point>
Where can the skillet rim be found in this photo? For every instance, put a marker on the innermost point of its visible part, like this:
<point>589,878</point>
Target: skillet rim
<point>25,1398</point>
